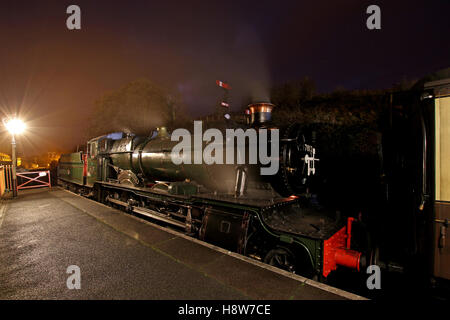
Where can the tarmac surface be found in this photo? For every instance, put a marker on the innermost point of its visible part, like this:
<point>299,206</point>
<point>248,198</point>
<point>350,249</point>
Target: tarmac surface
<point>43,232</point>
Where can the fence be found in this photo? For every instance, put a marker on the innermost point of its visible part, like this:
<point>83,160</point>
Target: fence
<point>6,180</point>
<point>25,180</point>
<point>31,179</point>
<point>2,181</point>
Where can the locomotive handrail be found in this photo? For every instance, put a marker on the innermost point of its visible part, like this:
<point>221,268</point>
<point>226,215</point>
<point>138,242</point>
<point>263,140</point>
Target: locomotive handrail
<point>424,196</point>
<point>160,184</point>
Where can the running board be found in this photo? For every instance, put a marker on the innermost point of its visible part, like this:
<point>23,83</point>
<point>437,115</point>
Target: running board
<point>147,212</point>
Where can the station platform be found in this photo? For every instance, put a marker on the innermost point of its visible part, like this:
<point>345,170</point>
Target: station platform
<point>43,231</point>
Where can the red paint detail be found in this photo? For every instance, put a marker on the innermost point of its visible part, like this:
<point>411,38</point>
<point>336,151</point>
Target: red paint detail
<point>223,85</point>
<point>329,250</point>
<point>247,111</point>
<point>349,231</point>
<point>347,258</point>
<point>337,252</point>
<point>85,163</point>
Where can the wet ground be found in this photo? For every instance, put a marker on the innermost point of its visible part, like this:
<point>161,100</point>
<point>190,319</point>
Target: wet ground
<point>43,232</point>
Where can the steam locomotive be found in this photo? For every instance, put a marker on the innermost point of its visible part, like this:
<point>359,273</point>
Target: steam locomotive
<point>274,218</point>
<point>279,219</point>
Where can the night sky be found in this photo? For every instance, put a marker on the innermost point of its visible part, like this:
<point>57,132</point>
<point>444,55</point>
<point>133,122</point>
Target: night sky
<point>51,76</point>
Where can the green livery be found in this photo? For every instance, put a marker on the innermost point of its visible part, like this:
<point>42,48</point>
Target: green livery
<point>70,168</point>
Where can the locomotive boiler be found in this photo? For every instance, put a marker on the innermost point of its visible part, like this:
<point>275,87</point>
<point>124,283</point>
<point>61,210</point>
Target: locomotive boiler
<point>139,160</point>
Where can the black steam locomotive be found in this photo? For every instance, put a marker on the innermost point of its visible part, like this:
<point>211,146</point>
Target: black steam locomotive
<point>273,218</point>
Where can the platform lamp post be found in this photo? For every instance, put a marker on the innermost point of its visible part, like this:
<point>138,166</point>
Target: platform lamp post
<point>15,126</point>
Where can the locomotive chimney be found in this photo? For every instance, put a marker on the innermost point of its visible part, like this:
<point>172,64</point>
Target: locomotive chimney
<point>260,113</point>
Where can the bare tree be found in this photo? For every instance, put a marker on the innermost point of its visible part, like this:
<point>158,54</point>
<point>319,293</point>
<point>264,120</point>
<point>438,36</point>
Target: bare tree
<point>137,107</point>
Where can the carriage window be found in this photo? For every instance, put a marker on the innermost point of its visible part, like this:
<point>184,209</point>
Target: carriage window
<point>443,149</point>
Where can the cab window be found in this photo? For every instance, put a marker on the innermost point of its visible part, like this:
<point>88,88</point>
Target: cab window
<point>93,149</point>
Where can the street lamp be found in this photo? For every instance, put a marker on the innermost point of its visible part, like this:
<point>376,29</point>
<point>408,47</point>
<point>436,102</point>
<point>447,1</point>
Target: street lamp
<point>14,126</point>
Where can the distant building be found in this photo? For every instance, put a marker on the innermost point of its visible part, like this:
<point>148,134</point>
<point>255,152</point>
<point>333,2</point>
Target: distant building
<point>6,159</point>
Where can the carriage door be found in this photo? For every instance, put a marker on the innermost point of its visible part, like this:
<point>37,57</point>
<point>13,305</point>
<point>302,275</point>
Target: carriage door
<point>442,180</point>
